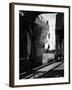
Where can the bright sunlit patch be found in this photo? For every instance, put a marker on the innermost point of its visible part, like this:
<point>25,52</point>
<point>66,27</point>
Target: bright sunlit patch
<point>51,18</point>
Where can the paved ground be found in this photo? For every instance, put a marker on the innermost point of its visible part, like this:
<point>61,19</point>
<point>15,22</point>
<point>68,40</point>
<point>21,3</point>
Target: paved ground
<point>49,67</point>
<point>57,72</point>
<point>61,67</point>
<point>53,70</point>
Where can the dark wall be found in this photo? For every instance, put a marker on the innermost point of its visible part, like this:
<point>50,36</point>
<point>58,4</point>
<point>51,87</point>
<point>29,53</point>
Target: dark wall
<point>60,33</point>
<point>27,38</point>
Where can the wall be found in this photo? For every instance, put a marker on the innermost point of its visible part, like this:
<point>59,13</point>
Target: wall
<point>4,45</point>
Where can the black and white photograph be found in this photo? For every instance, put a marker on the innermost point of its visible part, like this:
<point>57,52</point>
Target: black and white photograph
<point>40,40</point>
<point>41,44</point>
